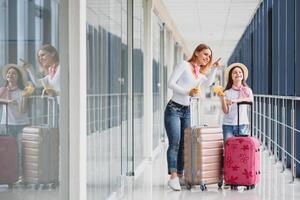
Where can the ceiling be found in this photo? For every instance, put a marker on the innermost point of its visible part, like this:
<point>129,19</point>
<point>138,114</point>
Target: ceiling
<point>218,23</point>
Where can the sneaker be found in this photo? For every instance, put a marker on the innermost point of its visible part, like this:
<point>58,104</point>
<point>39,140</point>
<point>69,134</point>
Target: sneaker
<point>174,184</point>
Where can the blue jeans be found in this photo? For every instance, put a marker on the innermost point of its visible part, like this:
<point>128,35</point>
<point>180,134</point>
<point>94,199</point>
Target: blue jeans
<point>177,118</point>
<point>231,130</point>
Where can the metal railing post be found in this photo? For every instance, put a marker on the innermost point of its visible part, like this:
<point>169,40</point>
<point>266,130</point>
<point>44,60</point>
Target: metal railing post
<point>293,167</point>
<point>283,155</point>
<point>275,130</point>
<point>269,126</point>
<point>259,121</point>
<point>263,130</point>
<point>256,117</point>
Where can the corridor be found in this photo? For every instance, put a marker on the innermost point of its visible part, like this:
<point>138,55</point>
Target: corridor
<point>152,184</point>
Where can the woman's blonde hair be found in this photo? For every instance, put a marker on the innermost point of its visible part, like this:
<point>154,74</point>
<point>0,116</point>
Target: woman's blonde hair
<point>53,52</point>
<point>199,48</point>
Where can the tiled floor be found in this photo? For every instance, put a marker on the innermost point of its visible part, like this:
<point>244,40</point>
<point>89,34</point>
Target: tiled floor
<point>152,184</point>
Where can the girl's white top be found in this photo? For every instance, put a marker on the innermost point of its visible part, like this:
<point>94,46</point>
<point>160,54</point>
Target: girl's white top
<point>182,81</point>
<point>231,117</point>
<point>15,117</point>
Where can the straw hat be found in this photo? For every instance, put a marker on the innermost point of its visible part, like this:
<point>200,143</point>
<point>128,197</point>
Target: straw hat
<point>244,68</point>
<point>22,71</point>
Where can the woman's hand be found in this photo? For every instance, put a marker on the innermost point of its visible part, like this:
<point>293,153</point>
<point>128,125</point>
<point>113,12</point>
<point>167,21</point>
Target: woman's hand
<point>217,63</point>
<point>194,92</point>
<point>51,92</point>
<point>25,65</point>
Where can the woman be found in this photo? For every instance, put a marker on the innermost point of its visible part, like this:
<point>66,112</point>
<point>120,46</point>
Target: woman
<point>184,81</point>
<point>48,59</point>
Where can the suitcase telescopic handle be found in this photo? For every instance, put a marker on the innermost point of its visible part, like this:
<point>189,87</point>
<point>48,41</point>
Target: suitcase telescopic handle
<point>238,115</point>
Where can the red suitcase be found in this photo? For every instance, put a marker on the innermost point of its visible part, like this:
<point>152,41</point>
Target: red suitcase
<point>242,159</point>
<point>8,157</point>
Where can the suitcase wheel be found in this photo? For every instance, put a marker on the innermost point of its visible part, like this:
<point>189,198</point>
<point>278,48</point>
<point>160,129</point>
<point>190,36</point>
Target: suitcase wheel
<point>234,187</point>
<point>54,185</point>
<point>250,187</point>
<point>220,184</point>
<point>203,187</point>
<point>36,186</point>
<point>10,186</point>
<point>188,186</point>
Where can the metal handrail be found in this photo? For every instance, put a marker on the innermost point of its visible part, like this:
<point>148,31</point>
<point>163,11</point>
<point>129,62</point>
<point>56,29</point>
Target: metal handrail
<point>278,97</point>
<point>276,126</point>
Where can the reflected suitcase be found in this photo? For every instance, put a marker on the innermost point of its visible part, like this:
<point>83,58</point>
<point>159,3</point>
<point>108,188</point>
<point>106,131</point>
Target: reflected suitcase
<point>242,159</point>
<point>8,160</point>
<point>40,155</point>
<point>8,156</point>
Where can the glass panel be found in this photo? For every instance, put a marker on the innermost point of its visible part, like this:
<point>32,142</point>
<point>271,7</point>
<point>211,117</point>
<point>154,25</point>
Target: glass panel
<point>156,80</point>
<point>106,95</point>
<point>29,59</point>
<point>138,81</point>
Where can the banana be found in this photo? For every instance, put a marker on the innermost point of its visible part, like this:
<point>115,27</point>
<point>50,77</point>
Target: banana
<point>219,90</point>
<point>28,90</point>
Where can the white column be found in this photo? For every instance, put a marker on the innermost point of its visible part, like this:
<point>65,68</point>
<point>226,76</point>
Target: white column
<point>148,98</point>
<point>77,100</point>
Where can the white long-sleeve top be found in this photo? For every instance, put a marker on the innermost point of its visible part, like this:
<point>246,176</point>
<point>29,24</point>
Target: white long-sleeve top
<point>53,83</point>
<point>182,81</point>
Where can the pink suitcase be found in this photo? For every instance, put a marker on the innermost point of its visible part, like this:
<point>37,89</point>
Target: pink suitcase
<point>203,153</point>
<point>8,157</point>
<point>8,160</point>
<point>242,160</point>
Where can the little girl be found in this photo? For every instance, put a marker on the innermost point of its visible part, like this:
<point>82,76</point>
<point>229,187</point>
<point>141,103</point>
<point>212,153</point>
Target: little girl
<point>17,114</point>
<point>236,91</point>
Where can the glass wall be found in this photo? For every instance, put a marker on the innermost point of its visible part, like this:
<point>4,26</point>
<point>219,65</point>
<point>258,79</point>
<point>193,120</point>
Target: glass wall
<point>106,96</point>
<point>138,81</point>
<point>157,80</point>
<point>30,150</point>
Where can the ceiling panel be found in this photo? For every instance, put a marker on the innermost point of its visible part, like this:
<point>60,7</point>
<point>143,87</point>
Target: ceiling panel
<point>218,23</point>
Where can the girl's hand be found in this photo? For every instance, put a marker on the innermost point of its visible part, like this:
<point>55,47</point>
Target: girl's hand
<point>229,102</point>
<point>217,63</point>
<point>194,92</point>
<point>13,102</point>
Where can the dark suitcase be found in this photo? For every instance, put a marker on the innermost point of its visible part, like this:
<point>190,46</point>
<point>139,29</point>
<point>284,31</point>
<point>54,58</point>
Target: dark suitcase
<point>242,159</point>
<point>8,156</point>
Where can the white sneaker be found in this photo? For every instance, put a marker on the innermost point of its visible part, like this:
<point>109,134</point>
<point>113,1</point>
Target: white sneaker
<point>174,184</point>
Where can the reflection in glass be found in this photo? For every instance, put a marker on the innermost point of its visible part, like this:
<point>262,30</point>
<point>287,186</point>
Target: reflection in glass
<point>25,26</point>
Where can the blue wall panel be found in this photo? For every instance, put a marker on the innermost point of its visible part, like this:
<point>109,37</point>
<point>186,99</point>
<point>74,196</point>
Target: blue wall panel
<point>290,48</point>
<point>282,47</point>
<point>297,79</point>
